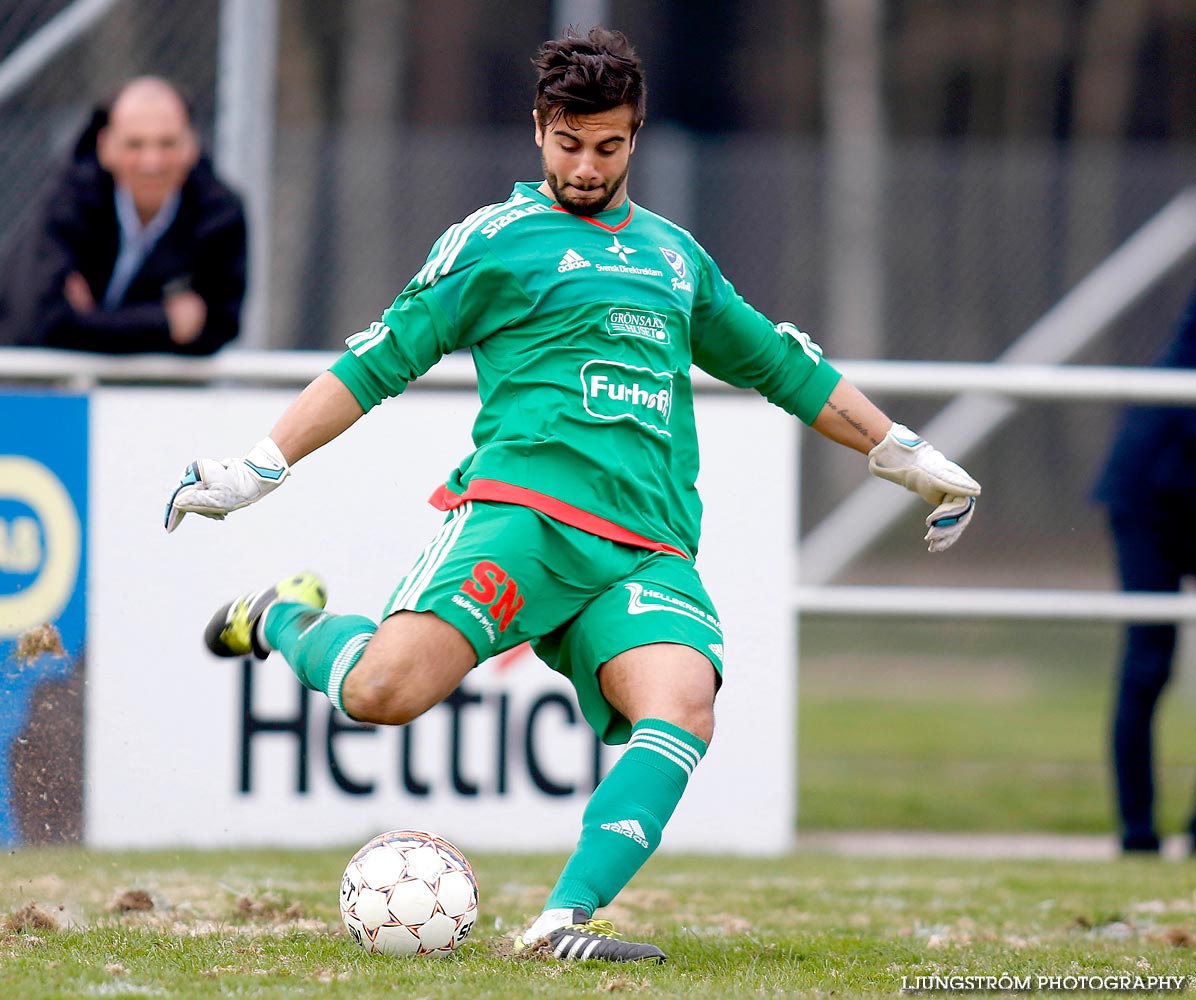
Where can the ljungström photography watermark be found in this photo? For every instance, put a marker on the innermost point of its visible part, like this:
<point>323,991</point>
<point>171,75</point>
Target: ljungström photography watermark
<point>1120,982</point>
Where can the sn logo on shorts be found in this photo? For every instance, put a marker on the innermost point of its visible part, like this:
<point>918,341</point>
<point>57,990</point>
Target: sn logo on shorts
<point>483,586</point>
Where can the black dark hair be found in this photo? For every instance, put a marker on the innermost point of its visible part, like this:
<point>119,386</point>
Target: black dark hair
<point>588,74</point>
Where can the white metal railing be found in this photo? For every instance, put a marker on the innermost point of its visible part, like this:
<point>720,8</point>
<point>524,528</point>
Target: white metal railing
<point>994,603</point>
<point>903,378</point>
<point>81,372</point>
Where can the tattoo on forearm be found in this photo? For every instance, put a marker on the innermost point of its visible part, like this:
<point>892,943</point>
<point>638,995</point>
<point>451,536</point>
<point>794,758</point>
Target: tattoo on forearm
<point>845,415</point>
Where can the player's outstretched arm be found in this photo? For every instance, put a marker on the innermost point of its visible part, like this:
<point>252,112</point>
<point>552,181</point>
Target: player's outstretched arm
<point>897,454</point>
<point>216,487</point>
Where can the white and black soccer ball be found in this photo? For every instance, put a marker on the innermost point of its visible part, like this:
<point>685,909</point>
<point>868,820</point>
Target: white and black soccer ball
<point>409,892</point>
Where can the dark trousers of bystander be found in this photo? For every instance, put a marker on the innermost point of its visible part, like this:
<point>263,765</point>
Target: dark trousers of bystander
<point>1155,550</point>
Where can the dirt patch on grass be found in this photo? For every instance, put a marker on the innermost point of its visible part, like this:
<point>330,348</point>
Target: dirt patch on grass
<point>1180,937</point>
<point>30,917</point>
<point>131,901</point>
<point>269,907</point>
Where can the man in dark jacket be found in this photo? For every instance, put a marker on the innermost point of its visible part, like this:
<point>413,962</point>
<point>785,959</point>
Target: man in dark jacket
<point>1149,485</point>
<point>139,246</point>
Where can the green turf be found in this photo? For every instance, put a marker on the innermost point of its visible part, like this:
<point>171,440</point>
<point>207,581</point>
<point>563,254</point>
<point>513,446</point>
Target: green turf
<point>265,924</point>
<point>972,727</point>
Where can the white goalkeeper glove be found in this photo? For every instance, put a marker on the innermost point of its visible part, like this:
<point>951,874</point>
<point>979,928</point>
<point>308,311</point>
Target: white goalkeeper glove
<point>214,487</point>
<point>904,458</point>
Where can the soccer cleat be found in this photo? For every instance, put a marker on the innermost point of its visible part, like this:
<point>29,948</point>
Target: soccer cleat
<point>233,629</point>
<point>585,938</point>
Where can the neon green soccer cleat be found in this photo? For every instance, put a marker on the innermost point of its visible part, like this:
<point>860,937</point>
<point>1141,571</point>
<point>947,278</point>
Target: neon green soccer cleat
<point>233,629</point>
<point>584,937</point>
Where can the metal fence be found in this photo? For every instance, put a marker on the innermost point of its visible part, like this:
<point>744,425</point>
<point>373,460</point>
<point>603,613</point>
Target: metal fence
<point>979,240</point>
<point>41,117</point>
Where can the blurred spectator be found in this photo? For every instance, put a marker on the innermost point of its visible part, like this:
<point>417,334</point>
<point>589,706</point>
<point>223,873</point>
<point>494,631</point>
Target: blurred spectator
<point>1149,485</point>
<point>138,246</point>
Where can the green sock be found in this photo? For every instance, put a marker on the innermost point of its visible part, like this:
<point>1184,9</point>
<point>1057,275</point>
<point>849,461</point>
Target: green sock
<point>626,815</point>
<point>320,648</point>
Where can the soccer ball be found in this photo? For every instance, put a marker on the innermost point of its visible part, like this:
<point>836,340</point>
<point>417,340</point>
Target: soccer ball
<point>409,892</point>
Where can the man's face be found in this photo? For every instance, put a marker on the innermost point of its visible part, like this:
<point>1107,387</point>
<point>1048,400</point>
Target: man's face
<point>585,158</point>
<point>148,146</point>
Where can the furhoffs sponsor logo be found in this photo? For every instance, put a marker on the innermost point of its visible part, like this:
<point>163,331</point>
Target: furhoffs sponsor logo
<point>615,391</point>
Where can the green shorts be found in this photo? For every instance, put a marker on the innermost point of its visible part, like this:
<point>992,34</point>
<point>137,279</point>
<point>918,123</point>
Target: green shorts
<point>502,575</point>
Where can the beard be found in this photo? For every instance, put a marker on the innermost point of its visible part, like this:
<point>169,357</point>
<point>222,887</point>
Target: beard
<point>588,206</point>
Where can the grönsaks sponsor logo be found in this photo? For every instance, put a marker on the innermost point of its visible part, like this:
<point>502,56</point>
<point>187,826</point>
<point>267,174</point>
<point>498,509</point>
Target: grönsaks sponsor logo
<point>615,391</point>
<point>625,322</point>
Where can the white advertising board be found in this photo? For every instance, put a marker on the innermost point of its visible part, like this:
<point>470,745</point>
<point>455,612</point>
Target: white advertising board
<point>186,749</point>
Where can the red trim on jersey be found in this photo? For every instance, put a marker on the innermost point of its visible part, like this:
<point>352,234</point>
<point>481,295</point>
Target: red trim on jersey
<point>492,489</point>
<point>601,225</point>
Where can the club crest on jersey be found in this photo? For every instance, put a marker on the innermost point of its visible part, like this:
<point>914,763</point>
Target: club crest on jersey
<point>624,321</point>
<point>612,390</point>
<point>677,263</point>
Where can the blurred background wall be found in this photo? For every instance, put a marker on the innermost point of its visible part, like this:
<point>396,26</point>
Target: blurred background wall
<point>912,179</point>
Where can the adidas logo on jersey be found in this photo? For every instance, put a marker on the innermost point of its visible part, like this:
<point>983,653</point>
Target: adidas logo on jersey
<point>572,261</point>
<point>628,828</point>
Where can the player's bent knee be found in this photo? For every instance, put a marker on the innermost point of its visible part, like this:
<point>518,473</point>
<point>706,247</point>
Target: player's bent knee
<point>693,711</point>
<point>373,699</point>
<point>694,717</point>
<point>701,725</point>
<point>396,682</point>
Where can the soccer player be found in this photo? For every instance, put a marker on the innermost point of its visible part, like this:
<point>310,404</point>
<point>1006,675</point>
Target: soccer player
<point>584,313</point>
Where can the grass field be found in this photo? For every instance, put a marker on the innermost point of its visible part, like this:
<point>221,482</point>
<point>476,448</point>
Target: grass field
<point>971,727</point>
<point>265,924</point>
<point>903,727</point>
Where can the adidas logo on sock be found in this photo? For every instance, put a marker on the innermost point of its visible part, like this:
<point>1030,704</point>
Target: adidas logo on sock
<point>629,828</point>
<point>572,261</point>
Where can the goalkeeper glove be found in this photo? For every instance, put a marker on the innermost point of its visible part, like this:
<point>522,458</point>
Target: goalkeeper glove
<point>947,521</point>
<point>904,458</point>
<point>214,487</point>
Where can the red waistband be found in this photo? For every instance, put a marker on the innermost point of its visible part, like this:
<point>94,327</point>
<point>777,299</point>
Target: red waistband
<point>558,510</point>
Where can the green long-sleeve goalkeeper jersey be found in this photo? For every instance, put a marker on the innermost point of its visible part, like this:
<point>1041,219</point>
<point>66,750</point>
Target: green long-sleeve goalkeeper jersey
<point>583,332</point>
